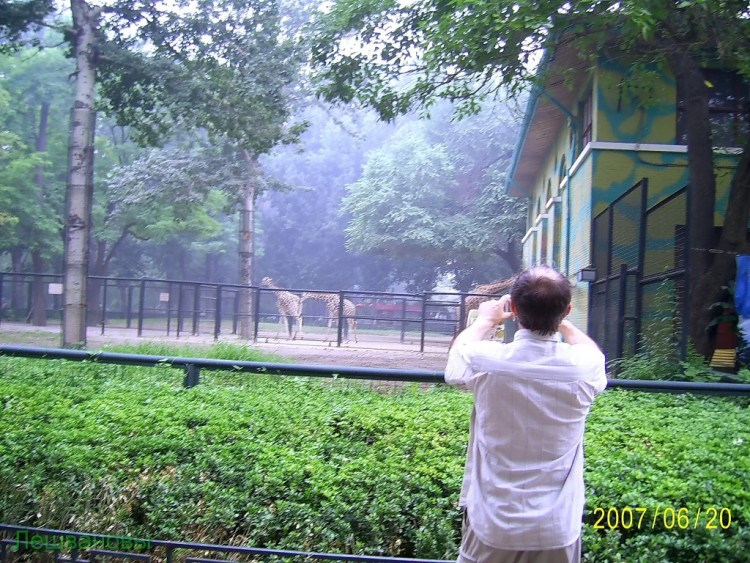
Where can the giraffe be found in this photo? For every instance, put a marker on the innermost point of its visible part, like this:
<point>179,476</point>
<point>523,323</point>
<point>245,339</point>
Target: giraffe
<point>332,309</point>
<point>487,291</point>
<point>288,305</point>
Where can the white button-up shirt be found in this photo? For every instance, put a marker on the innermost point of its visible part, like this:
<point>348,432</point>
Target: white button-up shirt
<point>523,486</point>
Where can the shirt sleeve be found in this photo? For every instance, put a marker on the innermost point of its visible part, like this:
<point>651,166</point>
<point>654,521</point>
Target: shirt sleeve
<point>461,370</point>
<point>595,364</point>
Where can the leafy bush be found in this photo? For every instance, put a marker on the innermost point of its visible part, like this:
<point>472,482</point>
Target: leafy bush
<point>333,465</point>
<point>667,452</point>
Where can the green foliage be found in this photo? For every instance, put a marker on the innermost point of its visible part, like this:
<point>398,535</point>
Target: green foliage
<point>434,196</point>
<point>659,356</point>
<point>244,459</point>
<point>33,165</point>
<point>650,451</point>
<point>233,85</point>
<point>428,50</point>
<point>335,466</point>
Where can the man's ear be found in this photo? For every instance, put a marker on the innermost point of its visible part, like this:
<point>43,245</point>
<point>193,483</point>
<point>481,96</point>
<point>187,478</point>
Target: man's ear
<point>513,309</point>
<point>568,310</point>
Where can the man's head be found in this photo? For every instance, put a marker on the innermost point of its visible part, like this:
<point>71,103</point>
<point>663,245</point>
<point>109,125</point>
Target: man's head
<point>540,299</point>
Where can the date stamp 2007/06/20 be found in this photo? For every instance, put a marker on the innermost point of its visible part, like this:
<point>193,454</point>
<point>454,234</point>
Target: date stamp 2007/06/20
<point>669,518</point>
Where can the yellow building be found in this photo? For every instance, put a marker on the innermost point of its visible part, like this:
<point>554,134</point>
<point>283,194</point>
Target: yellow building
<point>603,163</point>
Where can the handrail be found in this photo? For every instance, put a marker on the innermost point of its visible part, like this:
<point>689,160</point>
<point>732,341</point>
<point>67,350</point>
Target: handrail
<point>38,539</point>
<point>193,365</point>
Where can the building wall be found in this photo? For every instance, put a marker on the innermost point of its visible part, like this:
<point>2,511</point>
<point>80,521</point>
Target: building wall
<point>639,112</point>
<point>633,136</point>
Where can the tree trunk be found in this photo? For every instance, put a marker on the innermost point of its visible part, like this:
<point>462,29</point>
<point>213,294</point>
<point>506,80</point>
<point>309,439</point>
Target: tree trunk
<point>39,297</point>
<point>80,177</point>
<point>701,197</point>
<point>246,250</point>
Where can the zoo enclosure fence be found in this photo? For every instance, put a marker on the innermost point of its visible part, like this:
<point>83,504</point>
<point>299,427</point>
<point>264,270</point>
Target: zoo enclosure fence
<point>147,306</point>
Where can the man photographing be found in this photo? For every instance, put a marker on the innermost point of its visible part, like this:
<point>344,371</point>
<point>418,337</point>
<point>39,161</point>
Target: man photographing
<point>523,490</point>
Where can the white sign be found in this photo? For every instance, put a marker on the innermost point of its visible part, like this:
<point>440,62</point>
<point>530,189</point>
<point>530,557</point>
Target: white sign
<point>55,289</point>
<point>164,297</point>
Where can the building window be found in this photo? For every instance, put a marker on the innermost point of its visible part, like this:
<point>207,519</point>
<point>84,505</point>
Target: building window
<point>585,121</point>
<point>728,107</point>
<point>563,171</point>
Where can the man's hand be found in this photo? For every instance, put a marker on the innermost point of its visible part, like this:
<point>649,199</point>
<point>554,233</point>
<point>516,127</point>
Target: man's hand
<point>489,315</point>
<point>495,311</point>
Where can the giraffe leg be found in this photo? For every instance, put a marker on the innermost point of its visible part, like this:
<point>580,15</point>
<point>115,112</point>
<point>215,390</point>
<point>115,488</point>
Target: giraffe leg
<point>287,328</point>
<point>353,328</point>
<point>278,323</point>
<point>330,324</point>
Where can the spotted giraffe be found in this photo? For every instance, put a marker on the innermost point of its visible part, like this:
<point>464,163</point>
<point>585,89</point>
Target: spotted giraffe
<point>331,301</point>
<point>289,305</point>
<point>488,291</point>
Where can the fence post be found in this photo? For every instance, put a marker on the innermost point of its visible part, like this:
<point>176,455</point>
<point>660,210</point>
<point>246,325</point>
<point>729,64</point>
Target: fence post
<point>403,319</point>
<point>104,303</point>
<point>192,375</point>
<point>256,311</point>
<point>129,305</point>
<point>340,331</point>
<point>141,299</point>
<point>235,311</point>
<point>2,303</point>
<point>179,308</point>
<point>461,313</point>
<point>217,313</point>
<point>196,308</point>
<point>424,322</point>
<point>622,290</point>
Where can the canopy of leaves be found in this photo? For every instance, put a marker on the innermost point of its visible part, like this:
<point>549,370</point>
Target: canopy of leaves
<point>224,66</point>
<point>20,17</point>
<point>34,89</point>
<point>394,56</point>
<point>433,195</point>
<point>166,192</point>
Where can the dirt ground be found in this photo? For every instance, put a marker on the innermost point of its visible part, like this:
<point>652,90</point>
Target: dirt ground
<point>360,357</point>
<point>362,354</point>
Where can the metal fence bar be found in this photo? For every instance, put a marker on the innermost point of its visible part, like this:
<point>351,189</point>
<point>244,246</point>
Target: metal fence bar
<point>37,539</point>
<point>418,376</point>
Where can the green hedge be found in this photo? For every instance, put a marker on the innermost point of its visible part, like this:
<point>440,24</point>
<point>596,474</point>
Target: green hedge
<point>335,465</point>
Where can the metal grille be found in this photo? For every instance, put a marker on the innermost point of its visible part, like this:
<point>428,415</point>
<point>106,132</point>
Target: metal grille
<point>661,315</point>
<point>631,320</point>
<point>627,214</point>
<point>616,251</point>
<point>664,249</point>
<point>612,321</point>
<point>601,245</point>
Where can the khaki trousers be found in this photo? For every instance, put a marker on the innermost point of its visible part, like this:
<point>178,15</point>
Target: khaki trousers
<point>472,550</point>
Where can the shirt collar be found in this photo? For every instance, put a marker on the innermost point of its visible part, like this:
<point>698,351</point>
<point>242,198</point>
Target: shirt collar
<point>525,334</point>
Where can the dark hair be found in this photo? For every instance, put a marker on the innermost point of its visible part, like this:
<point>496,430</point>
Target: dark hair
<point>541,296</point>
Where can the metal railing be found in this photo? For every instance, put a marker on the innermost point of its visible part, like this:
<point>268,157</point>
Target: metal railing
<point>176,307</point>
<point>20,541</point>
<point>192,367</point>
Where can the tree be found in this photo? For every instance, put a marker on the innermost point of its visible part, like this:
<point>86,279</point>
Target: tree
<point>433,195</point>
<point>302,242</point>
<point>38,85</point>
<point>155,68</point>
<point>427,50</point>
